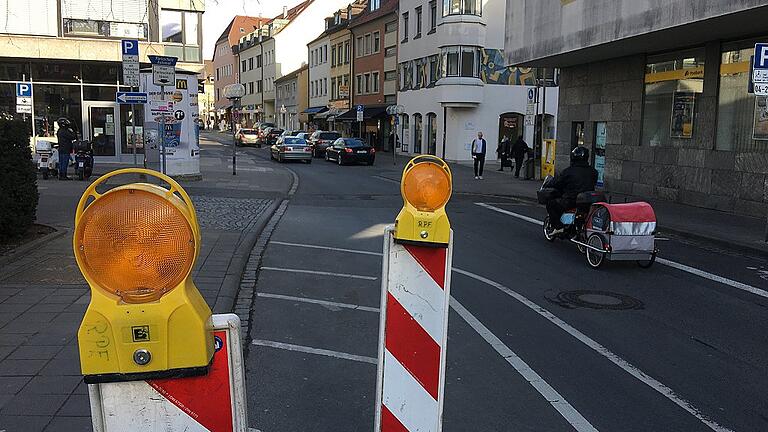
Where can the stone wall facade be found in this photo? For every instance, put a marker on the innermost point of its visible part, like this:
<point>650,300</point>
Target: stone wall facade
<point>688,171</point>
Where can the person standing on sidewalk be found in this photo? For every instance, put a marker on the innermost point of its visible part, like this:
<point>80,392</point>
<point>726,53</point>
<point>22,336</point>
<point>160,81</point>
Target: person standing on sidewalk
<point>66,136</point>
<point>479,147</point>
<point>519,150</point>
<point>503,151</point>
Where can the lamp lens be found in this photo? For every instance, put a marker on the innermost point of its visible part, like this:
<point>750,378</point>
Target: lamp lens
<point>427,186</point>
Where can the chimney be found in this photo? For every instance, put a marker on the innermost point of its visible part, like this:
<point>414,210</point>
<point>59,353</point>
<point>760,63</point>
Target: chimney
<point>285,12</point>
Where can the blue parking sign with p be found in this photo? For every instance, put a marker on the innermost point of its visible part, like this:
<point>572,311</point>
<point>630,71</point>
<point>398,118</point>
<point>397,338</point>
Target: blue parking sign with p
<point>130,46</point>
<point>23,89</point>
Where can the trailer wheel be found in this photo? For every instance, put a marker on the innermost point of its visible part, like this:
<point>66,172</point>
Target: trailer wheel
<point>645,264</point>
<point>594,258</point>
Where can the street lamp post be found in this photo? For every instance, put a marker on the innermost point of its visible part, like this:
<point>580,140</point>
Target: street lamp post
<point>234,92</point>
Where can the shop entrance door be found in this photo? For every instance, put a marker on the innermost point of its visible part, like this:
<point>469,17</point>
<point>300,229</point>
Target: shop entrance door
<point>102,120</point>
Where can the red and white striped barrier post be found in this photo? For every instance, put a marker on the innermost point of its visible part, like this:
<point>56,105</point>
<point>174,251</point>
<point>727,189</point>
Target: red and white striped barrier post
<point>413,331</point>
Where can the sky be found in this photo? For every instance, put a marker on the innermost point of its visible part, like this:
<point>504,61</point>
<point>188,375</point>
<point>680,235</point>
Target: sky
<point>218,14</point>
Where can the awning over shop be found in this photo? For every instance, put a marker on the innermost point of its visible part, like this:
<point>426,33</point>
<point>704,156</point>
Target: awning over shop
<point>323,115</point>
<point>315,110</point>
<point>372,112</point>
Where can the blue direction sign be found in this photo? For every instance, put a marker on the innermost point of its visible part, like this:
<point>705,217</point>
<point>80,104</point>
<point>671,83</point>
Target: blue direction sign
<point>127,98</point>
<point>163,60</point>
<point>23,89</point>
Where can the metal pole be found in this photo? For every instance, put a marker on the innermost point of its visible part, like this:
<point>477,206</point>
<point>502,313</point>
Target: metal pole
<point>394,142</point>
<point>543,122</point>
<point>235,105</point>
<point>133,133</point>
<point>162,129</point>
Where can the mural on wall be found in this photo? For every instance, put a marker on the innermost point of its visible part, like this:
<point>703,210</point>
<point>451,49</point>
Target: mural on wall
<point>494,71</point>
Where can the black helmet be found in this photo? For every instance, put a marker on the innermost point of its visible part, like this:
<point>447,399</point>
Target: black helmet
<point>63,122</point>
<point>580,155</point>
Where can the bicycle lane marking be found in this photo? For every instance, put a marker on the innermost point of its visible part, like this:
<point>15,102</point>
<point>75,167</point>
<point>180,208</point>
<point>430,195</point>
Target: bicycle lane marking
<point>672,264</point>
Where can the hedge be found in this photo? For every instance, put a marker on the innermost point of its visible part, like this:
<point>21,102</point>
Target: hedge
<point>18,180</point>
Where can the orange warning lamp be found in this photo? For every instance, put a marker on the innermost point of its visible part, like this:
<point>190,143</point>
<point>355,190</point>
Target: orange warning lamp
<point>136,245</point>
<point>426,187</point>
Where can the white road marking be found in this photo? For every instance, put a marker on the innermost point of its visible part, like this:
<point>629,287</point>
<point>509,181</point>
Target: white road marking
<point>581,337</point>
<point>321,273</point>
<point>325,248</point>
<point>662,261</point>
<point>603,351</point>
<point>316,351</point>
<point>558,402</point>
<point>319,302</point>
<point>386,179</point>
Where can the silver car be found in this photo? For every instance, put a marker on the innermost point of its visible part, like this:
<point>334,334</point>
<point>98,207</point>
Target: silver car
<point>291,148</point>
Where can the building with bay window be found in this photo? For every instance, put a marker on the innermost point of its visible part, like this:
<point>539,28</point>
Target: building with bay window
<point>70,51</point>
<point>454,82</point>
<point>664,103</point>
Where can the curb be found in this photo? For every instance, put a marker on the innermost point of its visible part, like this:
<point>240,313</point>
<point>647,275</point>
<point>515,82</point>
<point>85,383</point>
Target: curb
<point>26,247</point>
<point>225,301</point>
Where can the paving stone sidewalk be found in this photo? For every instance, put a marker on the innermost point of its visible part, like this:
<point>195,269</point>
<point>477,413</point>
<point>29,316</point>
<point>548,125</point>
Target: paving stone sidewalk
<point>43,295</point>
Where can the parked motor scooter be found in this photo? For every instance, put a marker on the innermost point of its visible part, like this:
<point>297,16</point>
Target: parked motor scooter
<point>83,159</point>
<point>47,157</point>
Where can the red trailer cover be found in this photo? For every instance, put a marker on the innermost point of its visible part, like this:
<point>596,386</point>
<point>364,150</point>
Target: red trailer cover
<point>631,212</point>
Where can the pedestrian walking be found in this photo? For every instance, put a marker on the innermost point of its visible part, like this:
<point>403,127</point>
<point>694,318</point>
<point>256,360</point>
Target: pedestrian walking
<point>519,150</point>
<point>503,151</point>
<point>66,137</point>
<point>479,147</point>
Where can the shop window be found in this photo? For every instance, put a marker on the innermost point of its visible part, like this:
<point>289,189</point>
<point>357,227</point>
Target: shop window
<point>8,103</point>
<point>462,7</point>
<point>461,61</point>
<point>417,131</point>
<point>102,73</point>
<point>14,71</point>
<point>406,130</point>
<point>432,134</point>
<point>742,117</point>
<point>56,72</point>
<point>673,86</point>
<point>99,93</point>
<point>55,101</point>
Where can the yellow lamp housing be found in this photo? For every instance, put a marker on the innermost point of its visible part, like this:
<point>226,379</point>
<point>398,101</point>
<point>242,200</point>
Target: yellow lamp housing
<point>136,245</point>
<point>426,188</point>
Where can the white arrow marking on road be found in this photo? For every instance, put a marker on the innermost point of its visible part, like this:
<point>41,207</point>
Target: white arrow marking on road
<point>662,261</point>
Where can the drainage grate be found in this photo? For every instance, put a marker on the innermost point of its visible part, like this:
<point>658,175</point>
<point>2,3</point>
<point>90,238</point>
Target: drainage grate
<point>593,299</point>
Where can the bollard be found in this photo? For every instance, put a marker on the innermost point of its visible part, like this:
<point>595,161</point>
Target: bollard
<point>413,330</point>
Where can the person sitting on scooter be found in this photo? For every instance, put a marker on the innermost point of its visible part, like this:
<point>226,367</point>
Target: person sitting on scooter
<point>66,136</point>
<point>578,178</point>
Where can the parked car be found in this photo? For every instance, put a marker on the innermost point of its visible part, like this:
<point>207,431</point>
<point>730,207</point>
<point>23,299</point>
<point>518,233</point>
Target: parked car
<point>261,128</point>
<point>350,150</point>
<point>291,133</point>
<point>291,148</point>
<point>271,135</point>
<point>304,135</point>
<point>248,137</point>
<point>320,140</point>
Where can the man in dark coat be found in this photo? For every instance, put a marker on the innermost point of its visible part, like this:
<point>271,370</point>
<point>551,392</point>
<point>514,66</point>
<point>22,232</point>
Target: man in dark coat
<point>578,178</point>
<point>519,150</point>
<point>66,137</point>
<point>503,151</point>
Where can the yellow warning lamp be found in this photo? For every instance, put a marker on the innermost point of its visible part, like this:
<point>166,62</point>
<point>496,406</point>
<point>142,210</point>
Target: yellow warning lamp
<point>426,188</point>
<point>135,245</point>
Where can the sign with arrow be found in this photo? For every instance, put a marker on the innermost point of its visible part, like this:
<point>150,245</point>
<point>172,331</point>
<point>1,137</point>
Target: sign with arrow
<point>163,70</point>
<point>127,98</point>
<point>130,49</point>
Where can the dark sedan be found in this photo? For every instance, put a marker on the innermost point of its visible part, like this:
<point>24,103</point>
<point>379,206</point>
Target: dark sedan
<point>350,150</point>
<point>272,134</point>
<point>320,140</point>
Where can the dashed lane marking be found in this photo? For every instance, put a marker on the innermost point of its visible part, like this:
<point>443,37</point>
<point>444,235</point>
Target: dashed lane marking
<point>320,273</point>
<point>662,261</point>
<point>329,304</point>
<point>316,351</point>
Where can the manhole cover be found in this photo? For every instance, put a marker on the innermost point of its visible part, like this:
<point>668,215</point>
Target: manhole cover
<point>598,300</point>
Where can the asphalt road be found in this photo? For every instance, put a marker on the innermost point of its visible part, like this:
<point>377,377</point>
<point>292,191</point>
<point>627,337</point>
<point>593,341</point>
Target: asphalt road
<point>661,349</point>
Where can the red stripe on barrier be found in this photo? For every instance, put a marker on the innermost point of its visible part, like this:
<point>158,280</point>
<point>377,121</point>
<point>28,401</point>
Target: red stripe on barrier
<point>390,423</point>
<point>432,260</point>
<point>412,346</point>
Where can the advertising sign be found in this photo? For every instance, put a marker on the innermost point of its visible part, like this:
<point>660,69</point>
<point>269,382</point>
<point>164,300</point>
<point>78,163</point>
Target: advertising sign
<point>760,124</point>
<point>683,104</point>
<point>180,111</point>
<point>601,134</point>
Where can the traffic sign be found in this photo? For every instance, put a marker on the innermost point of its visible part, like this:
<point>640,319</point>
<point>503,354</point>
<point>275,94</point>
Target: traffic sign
<point>24,109</point>
<point>24,89</point>
<point>130,49</point>
<point>23,101</point>
<point>163,70</point>
<point>760,64</point>
<point>360,111</point>
<point>127,98</point>
<point>761,89</point>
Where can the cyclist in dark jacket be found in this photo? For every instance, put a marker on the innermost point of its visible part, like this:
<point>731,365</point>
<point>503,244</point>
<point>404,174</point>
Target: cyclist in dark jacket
<point>66,137</point>
<point>578,178</point>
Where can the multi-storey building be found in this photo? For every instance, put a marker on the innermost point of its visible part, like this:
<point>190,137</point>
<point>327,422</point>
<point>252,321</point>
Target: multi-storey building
<point>287,99</point>
<point>453,82</point>
<point>659,90</point>
<point>319,74</point>
<point>70,51</point>
<point>277,42</point>
<point>226,61</point>
<point>206,104</point>
<point>374,82</point>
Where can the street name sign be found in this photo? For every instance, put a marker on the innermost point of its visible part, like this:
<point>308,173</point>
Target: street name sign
<point>127,98</point>
<point>163,70</point>
<point>130,49</point>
